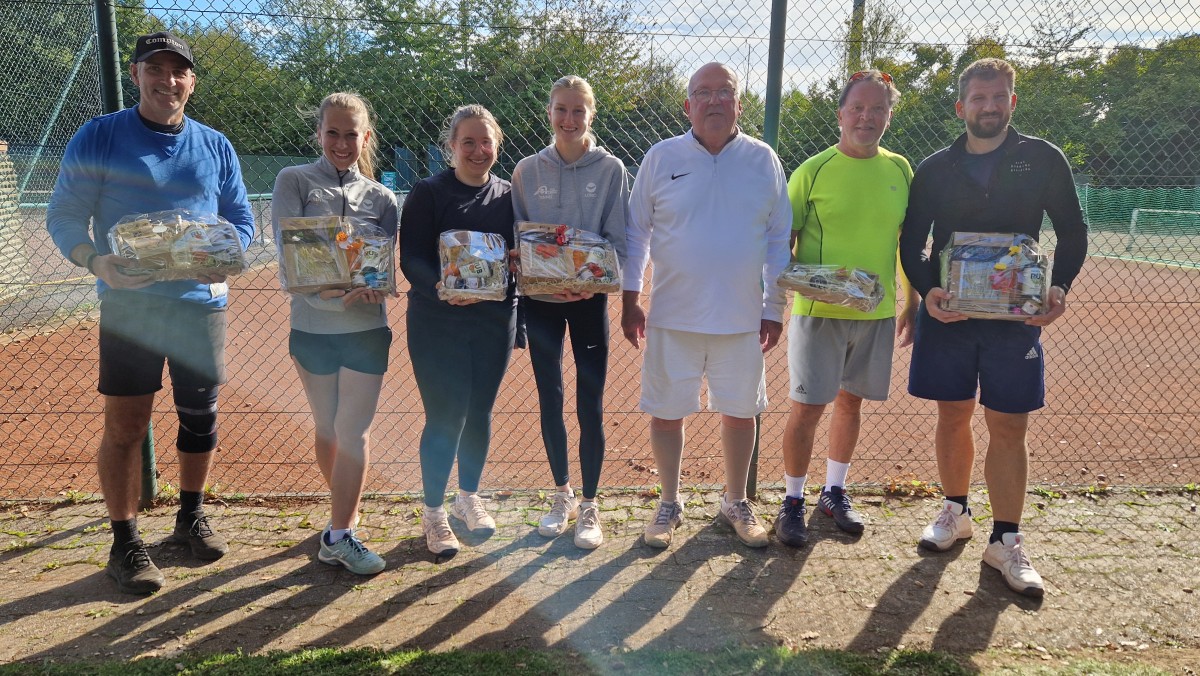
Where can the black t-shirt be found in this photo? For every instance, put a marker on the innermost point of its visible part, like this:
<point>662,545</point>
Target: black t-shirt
<point>440,203</point>
<point>981,167</point>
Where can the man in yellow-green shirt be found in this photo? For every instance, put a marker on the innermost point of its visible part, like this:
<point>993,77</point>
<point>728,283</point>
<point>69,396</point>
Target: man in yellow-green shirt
<point>848,203</point>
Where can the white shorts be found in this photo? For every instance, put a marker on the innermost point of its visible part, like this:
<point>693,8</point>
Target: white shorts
<point>826,355</point>
<point>676,362</point>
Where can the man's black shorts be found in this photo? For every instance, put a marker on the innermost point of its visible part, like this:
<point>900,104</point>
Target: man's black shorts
<point>139,331</point>
<point>323,354</point>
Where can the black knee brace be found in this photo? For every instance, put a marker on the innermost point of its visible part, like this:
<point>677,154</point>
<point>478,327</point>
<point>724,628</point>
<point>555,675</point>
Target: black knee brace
<point>197,410</point>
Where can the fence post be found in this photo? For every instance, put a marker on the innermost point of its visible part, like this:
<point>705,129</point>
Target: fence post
<point>110,70</point>
<point>771,136</point>
<point>854,42</point>
<point>149,470</point>
<point>775,73</point>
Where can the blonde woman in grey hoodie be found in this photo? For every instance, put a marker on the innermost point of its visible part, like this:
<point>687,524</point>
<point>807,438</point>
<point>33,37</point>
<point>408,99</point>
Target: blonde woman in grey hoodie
<point>575,182</point>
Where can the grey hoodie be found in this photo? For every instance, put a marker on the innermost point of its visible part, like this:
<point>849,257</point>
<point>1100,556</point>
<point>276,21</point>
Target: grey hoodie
<point>591,193</point>
<point>318,189</point>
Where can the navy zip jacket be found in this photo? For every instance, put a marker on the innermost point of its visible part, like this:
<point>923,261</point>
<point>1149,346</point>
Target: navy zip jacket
<point>1031,177</point>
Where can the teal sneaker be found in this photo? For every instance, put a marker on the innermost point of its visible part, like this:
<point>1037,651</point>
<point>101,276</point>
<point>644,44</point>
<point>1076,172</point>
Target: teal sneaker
<point>352,554</point>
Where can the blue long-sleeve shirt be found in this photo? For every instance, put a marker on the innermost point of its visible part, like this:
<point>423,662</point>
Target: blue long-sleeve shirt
<point>115,166</point>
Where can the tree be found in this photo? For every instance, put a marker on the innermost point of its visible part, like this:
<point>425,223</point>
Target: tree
<point>875,31</point>
<point>231,82</point>
<point>1149,126</point>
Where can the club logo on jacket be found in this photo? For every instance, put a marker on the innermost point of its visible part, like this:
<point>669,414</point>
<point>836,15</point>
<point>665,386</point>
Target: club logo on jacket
<point>545,192</point>
<point>590,189</point>
<point>318,195</point>
<point>367,204</point>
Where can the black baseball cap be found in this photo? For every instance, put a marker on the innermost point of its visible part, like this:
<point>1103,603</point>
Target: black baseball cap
<point>149,45</point>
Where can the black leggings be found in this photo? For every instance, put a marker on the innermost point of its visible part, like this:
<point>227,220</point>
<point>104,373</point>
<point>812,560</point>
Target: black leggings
<point>547,325</point>
<point>458,362</point>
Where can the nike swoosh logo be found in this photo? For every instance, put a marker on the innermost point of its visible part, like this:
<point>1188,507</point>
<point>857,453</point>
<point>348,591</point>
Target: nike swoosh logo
<point>591,347</point>
<point>675,176</point>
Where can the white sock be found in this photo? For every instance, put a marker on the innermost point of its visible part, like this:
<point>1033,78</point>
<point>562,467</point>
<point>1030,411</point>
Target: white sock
<point>569,493</point>
<point>466,494</point>
<point>440,510</point>
<point>587,503</point>
<point>795,484</point>
<point>835,473</point>
<point>336,534</point>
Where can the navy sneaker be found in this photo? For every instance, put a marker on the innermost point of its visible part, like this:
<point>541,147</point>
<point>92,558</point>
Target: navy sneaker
<point>835,503</point>
<point>789,525</point>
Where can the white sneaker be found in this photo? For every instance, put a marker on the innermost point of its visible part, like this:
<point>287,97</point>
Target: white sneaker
<point>668,517</point>
<point>565,508</point>
<point>1010,558</point>
<point>588,533</point>
<point>741,516</point>
<point>470,510</point>
<point>438,537</point>
<point>951,525</point>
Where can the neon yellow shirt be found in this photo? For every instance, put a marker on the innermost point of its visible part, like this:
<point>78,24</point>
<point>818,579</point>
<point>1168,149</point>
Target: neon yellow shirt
<point>848,212</point>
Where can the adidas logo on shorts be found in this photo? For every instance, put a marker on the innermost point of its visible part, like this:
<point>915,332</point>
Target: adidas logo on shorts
<point>800,390</point>
<point>1032,353</point>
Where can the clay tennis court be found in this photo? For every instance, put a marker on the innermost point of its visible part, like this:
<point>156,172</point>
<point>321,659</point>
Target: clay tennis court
<point>1121,370</point>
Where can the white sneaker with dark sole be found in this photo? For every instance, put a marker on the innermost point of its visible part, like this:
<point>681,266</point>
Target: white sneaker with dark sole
<point>952,524</point>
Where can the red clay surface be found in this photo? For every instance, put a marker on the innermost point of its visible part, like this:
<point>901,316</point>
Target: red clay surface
<point>1122,403</point>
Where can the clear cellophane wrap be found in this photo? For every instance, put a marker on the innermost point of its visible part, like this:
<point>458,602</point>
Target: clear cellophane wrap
<point>371,256</point>
<point>995,275</point>
<point>561,259</point>
<point>834,284</point>
<point>178,244</point>
<point>320,253</point>
<point>474,265</point>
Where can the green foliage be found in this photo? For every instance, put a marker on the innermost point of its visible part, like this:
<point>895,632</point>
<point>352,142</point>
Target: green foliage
<point>1128,116</point>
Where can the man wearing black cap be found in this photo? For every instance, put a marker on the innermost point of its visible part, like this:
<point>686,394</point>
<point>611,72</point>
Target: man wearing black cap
<point>152,158</point>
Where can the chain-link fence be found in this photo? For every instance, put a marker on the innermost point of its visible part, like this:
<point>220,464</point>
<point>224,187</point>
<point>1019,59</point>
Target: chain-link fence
<point>1114,85</point>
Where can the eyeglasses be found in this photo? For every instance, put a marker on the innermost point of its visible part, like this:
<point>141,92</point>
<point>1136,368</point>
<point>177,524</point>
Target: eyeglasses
<point>725,94</point>
<point>864,74</point>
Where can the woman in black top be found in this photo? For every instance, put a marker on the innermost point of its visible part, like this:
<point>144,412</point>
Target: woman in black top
<point>459,348</point>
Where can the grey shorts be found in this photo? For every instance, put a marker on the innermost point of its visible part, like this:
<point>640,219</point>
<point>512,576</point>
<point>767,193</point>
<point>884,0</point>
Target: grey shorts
<point>827,355</point>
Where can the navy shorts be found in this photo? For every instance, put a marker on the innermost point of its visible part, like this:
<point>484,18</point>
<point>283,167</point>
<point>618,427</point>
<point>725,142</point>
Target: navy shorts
<point>139,331</point>
<point>324,354</point>
<point>1001,360</point>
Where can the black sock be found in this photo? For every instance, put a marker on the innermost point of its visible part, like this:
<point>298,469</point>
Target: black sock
<point>960,499</point>
<point>190,501</point>
<point>999,528</point>
<point>124,532</point>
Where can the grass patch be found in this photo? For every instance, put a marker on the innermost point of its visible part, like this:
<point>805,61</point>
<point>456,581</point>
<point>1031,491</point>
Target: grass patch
<point>337,662</point>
